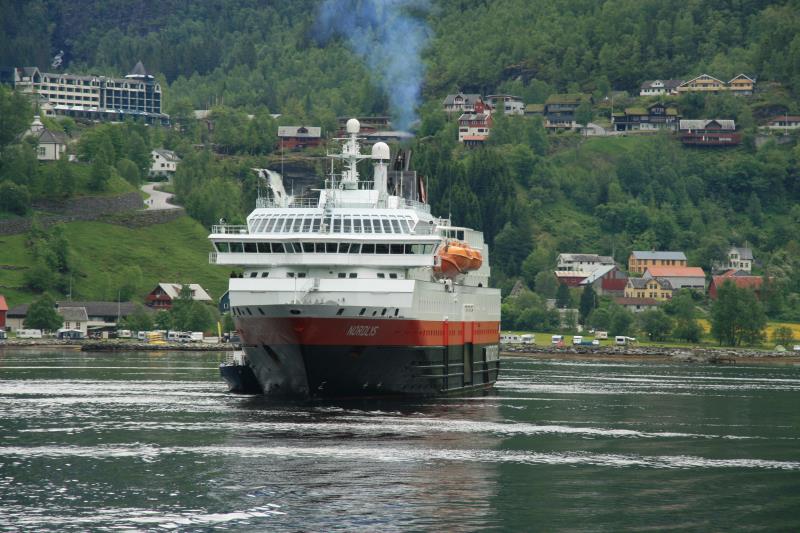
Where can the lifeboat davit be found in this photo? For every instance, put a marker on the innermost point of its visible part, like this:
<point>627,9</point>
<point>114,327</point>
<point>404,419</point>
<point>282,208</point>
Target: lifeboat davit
<point>457,258</point>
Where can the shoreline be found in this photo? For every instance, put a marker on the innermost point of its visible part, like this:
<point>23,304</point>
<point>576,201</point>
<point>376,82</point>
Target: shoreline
<point>116,346</point>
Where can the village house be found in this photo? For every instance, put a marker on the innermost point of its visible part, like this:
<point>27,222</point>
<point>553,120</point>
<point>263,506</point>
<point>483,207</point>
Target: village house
<point>679,277</point>
<point>559,110</point>
<point>659,87</point>
<point>639,260</point>
<point>75,319</point>
<point>656,288</point>
<point>3,311</point>
<point>463,103</point>
<point>51,144</point>
<point>474,128</point>
<point>636,305</point>
<point>654,117</point>
<point>742,85</point>
<point>608,280</point>
<point>100,315</point>
<point>299,137</point>
<point>713,132</point>
<point>165,293</point>
<point>702,84</point>
<point>741,279</point>
<point>165,163</point>
<point>784,122</point>
<point>582,262</point>
<point>738,258</point>
<point>509,104</point>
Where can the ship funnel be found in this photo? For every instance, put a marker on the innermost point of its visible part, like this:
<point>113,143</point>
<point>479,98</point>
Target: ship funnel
<point>380,155</point>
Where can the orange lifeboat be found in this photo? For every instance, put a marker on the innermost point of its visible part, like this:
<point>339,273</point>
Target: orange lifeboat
<point>456,258</point>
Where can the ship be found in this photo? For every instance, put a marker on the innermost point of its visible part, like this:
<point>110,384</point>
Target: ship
<point>360,291</point>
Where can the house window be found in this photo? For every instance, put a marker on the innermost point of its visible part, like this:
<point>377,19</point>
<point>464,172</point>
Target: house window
<point>42,151</point>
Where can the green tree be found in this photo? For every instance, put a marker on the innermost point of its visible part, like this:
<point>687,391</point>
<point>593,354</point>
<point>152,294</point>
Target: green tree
<point>656,324</point>
<point>98,175</point>
<point>139,320</point>
<point>587,304</point>
<point>14,198</point>
<point>163,320</point>
<point>563,296</point>
<point>42,314</point>
<point>129,171</point>
<point>584,114</point>
<point>15,115</point>
<point>545,284</point>
<point>737,317</point>
<point>783,335</point>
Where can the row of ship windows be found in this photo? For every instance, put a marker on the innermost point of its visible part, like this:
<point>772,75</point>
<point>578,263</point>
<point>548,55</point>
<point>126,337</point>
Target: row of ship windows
<point>322,248</point>
<point>336,223</point>
<point>340,275</point>
<point>386,311</point>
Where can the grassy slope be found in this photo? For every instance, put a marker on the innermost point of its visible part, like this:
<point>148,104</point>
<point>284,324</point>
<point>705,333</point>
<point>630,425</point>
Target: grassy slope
<point>104,254</point>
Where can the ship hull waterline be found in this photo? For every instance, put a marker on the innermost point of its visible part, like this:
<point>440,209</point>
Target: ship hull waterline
<point>314,359</point>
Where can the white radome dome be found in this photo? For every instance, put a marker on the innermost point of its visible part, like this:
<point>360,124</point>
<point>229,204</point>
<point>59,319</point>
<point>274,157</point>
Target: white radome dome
<point>353,126</point>
<point>380,150</point>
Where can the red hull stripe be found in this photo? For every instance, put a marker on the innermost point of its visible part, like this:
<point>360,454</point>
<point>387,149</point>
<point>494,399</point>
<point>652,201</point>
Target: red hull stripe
<point>364,332</point>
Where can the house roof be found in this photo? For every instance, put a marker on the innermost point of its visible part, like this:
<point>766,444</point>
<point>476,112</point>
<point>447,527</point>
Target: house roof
<point>569,98</point>
<point>784,118</point>
<point>743,282</point>
<point>644,254</point>
<point>138,70</point>
<point>169,155</point>
<point>641,283</point>
<point>307,132</point>
<point>597,274</point>
<point>627,300</point>
<point>571,274</point>
<point>474,116</point>
<point>740,76</point>
<point>706,76</point>
<point>468,98</point>
<point>702,124</point>
<point>173,290</point>
<point>587,258</point>
<point>52,137</point>
<point>635,111</point>
<point>73,314</point>
<point>744,253</point>
<point>534,108</point>
<point>3,304</point>
<point>675,272</point>
<point>668,84</point>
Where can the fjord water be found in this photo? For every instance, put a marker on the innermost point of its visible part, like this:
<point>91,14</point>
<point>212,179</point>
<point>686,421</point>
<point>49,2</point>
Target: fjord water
<point>137,441</point>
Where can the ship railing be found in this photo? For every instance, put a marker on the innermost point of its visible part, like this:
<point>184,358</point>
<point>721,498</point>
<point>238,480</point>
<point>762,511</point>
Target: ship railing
<point>229,229</point>
<point>361,185</point>
<point>419,206</point>
<point>296,203</point>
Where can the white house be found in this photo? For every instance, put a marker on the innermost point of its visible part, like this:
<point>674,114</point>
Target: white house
<point>75,318</point>
<point>165,163</point>
<point>738,258</point>
<point>659,87</point>
<point>474,128</point>
<point>582,262</point>
<point>507,103</point>
<point>51,144</point>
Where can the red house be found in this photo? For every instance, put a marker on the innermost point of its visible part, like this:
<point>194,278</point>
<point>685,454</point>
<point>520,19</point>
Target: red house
<point>3,311</point>
<point>297,137</point>
<point>162,296</point>
<point>717,132</point>
<point>742,280</point>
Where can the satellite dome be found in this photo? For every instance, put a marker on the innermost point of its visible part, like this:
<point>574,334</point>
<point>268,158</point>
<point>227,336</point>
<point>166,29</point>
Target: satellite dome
<point>380,151</point>
<point>353,126</point>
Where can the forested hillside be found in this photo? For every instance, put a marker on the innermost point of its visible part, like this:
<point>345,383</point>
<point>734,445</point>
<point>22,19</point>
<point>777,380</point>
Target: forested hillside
<point>533,193</point>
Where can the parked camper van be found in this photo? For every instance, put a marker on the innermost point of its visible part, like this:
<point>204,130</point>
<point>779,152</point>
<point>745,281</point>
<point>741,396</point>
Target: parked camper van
<point>196,336</point>
<point>601,335</point>
<point>620,340</point>
<point>509,338</point>
<point>29,334</point>
<point>557,339</point>
<point>577,339</point>
<point>527,339</point>
<point>124,334</point>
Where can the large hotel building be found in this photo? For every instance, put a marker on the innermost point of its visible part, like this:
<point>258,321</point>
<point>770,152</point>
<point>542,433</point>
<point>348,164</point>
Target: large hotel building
<point>137,95</point>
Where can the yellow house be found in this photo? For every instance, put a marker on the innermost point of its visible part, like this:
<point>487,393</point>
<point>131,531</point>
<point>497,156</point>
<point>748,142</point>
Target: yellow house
<point>655,288</point>
<point>639,261</point>
<point>702,83</point>
<point>742,84</point>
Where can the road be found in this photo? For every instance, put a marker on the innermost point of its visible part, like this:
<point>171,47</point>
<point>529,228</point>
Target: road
<point>158,199</point>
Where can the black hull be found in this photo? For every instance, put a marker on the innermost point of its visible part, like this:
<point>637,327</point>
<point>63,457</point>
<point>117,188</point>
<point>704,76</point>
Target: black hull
<point>373,371</point>
<point>240,379</point>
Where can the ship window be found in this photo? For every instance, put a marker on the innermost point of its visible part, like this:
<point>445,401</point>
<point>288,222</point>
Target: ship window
<point>279,225</point>
<point>355,248</point>
<point>249,312</point>
<point>381,248</point>
<point>363,310</point>
<point>397,248</point>
<point>343,246</point>
<point>290,274</point>
<point>367,248</point>
<point>387,226</point>
<point>347,225</point>
<point>270,225</point>
<point>340,311</point>
<point>288,226</point>
<point>301,274</point>
<point>353,275</point>
<point>298,222</point>
<point>375,312</point>
<point>396,311</point>
<point>408,248</point>
<point>460,235</point>
<point>264,274</point>
<point>330,247</point>
<point>396,226</point>
<point>250,248</point>
<point>277,248</point>
<point>342,275</point>
<point>260,310</point>
<point>308,247</point>
<point>306,225</point>
<point>367,225</point>
<point>383,313</point>
<point>263,248</point>
<point>376,225</point>
<point>356,225</point>
<point>319,247</point>
<point>405,225</point>
<point>337,224</point>
<point>223,247</point>
<point>316,224</point>
<point>428,248</point>
<point>381,275</point>
<point>393,276</point>
<point>293,247</point>
<point>236,247</point>
<point>253,274</point>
